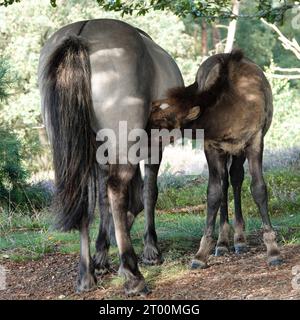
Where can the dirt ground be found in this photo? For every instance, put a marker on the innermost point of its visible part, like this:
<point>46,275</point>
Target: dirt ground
<point>229,277</point>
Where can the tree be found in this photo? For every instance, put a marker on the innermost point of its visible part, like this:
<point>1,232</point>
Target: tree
<point>204,44</point>
<point>208,9</point>
<point>232,26</point>
<point>291,45</point>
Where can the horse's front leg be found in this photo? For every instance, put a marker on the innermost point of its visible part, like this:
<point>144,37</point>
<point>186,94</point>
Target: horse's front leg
<point>151,254</point>
<point>224,231</point>
<point>216,164</point>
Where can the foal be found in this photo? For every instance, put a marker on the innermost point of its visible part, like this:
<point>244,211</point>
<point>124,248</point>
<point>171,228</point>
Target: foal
<point>235,99</point>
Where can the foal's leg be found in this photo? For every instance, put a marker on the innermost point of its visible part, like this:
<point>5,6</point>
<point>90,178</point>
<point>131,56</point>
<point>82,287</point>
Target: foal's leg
<point>254,155</point>
<point>101,260</point>
<point>223,240</point>
<point>151,254</point>
<point>237,178</point>
<point>216,164</point>
<point>118,183</point>
<point>86,278</point>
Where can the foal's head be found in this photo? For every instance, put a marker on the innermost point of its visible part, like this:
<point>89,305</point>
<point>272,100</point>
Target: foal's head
<point>167,115</point>
<point>186,104</point>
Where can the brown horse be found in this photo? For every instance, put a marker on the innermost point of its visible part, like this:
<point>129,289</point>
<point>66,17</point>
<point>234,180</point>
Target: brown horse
<point>236,112</point>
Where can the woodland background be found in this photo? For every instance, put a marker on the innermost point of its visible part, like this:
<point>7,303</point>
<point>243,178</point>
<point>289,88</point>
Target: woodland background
<point>25,158</point>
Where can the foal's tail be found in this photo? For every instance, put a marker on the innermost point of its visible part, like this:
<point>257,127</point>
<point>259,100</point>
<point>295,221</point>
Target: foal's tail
<point>67,103</point>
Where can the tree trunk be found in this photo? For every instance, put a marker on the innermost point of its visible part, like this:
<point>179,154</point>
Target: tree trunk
<point>232,27</point>
<point>216,39</point>
<point>196,43</point>
<point>204,47</point>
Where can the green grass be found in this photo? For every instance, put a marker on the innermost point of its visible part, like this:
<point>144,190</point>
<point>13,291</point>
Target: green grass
<point>283,187</point>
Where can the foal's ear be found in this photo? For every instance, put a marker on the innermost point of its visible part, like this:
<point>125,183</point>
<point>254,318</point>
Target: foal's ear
<point>212,76</point>
<point>193,114</point>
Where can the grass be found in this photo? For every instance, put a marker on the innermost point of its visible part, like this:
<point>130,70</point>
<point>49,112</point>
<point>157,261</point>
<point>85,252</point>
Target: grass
<point>283,187</point>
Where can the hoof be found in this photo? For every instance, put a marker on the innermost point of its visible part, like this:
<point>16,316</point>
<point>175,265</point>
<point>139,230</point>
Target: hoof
<point>221,251</point>
<point>101,264</point>
<point>275,261</point>
<point>241,248</point>
<point>86,283</point>
<point>151,256</point>
<point>136,288</point>
<point>102,270</point>
<point>197,264</point>
<point>152,262</point>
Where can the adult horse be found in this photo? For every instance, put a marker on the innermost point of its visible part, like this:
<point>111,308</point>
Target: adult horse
<point>92,75</point>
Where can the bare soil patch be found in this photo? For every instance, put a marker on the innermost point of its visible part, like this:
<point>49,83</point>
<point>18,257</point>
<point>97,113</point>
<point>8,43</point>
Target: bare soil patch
<point>229,277</point>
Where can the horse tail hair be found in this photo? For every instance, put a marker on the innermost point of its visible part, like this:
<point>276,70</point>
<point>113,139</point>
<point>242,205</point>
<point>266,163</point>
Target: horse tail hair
<point>67,111</point>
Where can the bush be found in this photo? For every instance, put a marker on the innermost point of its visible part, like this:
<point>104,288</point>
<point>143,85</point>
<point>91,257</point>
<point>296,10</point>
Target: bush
<point>15,192</point>
<point>284,132</point>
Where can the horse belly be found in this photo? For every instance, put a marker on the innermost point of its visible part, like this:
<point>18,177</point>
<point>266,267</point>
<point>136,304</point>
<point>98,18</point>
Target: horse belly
<point>234,126</point>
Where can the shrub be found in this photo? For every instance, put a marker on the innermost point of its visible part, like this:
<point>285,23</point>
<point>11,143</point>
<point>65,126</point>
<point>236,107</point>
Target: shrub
<point>15,192</point>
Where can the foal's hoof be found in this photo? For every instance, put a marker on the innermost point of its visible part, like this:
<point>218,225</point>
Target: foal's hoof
<point>198,264</point>
<point>221,251</point>
<point>275,261</point>
<point>136,288</point>
<point>241,248</point>
<point>151,256</point>
<point>86,282</point>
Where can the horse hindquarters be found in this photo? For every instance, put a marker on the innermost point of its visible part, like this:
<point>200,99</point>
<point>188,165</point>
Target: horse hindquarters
<point>67,105</point>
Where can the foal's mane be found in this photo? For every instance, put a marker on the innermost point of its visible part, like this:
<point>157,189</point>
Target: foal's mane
<point>187,97</point>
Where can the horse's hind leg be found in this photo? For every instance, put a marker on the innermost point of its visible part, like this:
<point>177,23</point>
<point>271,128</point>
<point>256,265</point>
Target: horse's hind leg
<point>216,164</point>
<point>101,259</point>
<point>106,236</point>
<point>151,254</point>
<point>136,204</point>
<point>254,155</point>
<point>237,178</point>
<point>86,278</point>
<point>223,240</point>
<point>118,195</point>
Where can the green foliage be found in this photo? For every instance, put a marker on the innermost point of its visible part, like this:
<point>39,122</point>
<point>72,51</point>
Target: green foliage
<point>258,44</point>
<point>285,128</point>
<point>5,81</point>
<point>15,192</point>
<point>11,172</point>
<point>209,9</point>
